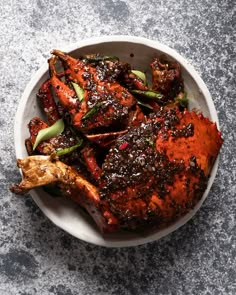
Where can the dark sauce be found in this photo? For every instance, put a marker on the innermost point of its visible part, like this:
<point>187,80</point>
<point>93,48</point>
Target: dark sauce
<point>134,165</point>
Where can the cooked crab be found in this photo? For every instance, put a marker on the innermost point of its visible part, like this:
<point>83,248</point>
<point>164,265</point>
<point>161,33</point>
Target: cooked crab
<point>144,170</point>
<point>167,79</point>
<point>104,103</point>
<point>151,176</point>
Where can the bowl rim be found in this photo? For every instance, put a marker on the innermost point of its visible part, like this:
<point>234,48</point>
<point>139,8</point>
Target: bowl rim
<point>156,45</point>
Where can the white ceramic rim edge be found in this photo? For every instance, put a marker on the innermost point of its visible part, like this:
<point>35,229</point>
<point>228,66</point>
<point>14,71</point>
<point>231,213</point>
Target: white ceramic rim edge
<point>201,85</point>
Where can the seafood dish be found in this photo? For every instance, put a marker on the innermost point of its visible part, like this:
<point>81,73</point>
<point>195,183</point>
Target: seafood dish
<point>127,150</point>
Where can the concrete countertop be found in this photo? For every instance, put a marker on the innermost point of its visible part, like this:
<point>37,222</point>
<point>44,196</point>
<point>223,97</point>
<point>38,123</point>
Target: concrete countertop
<point>36,257</point>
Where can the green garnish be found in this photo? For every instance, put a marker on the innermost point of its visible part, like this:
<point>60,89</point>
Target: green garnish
<point>69,149</point>
<point>148,94</point>
<point>183,101</point>
<point>145,105</point>
<point>50,132</point>
<point>140,75</point>
<point>91,111</point>
<point>79,91</point>
<point>99,58</point>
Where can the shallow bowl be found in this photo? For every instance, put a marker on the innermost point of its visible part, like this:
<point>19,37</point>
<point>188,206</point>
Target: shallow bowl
<point>139,52</point>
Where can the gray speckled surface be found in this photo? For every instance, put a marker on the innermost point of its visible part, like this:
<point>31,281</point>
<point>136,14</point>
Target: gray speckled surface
<point>38,258</point>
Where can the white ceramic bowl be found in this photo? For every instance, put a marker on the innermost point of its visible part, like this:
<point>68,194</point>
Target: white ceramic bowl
<point>139,52</point>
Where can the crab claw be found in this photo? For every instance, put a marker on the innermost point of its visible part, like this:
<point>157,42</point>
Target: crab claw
<point>48,103</point>
<point>104,103</point>
<point>42,170</point>
<point>105,139</point>
<point>75,67</point>
<point>64,93</point>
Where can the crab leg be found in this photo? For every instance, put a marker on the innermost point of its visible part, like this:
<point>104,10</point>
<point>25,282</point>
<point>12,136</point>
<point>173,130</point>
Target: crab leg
<point>105,139</point>
<point>91,163</point>
<point>49,105</point>
<point>42,170</point>
<point>64,93</point>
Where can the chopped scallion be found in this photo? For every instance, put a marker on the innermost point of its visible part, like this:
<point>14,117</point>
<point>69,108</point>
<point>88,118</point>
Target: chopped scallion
<point>91,111</point>
<point>146,105</point>
<point>50,132</point>
<point>99,58</point>
<point>140,75</point>
<point>79,91</point>
<point>69,149</point>
<point>183,101</point>
<point>148,94</point>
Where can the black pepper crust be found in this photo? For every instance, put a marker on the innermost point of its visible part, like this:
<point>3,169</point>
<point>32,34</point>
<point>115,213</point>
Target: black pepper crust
<point>153,174</point>
<point>134,171</point>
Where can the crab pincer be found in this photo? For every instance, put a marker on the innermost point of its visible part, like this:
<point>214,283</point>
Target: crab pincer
<point>77,70</point>
<point>64,93</point>
<point>48,102</point>
<point>104,103</point>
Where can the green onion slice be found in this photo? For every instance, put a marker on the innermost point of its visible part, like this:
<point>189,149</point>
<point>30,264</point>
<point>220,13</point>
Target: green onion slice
<point>140,75</point>
<point>183,101</point>
<point>99,58</point>
<point>148,94</point>
<point>91,111</point>
<point>69,149</point>
<point>79,91</point>
<point>145,105</point>
<point>50,132</point>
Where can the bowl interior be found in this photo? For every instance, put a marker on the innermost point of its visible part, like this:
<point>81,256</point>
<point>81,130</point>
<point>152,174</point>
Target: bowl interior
<point>139,53</point>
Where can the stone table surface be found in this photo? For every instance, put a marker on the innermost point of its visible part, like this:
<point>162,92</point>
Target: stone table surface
<point>36,257</point>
